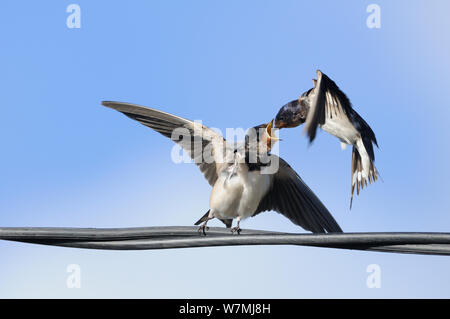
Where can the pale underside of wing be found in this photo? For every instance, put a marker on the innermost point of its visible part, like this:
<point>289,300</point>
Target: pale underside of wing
<point>290,196</point>
<point>326,101</point>
<point>206,147</point>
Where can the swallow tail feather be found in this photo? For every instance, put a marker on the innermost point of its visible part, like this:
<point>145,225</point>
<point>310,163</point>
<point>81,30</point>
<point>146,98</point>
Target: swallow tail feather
<point>364,171</point>
<point>227,222</point>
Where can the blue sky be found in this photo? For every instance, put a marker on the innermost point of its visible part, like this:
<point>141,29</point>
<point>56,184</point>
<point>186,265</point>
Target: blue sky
<point>68,161</point>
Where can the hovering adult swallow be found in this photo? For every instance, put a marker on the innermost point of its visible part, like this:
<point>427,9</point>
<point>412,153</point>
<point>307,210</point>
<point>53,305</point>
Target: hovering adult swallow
<point>241,188</point>
<point>325,105</point>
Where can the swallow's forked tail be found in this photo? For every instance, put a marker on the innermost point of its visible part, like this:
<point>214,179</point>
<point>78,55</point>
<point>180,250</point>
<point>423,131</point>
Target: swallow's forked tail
<point>227,222</point>
<point>364,171</point>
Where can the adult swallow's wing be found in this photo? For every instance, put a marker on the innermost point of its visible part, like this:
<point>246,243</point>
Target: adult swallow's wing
<point>290,196</point>
<point>326,101</point>
<point>206,147</point>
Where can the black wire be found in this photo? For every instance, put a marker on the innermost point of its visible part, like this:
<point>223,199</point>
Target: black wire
<point>188,237</point>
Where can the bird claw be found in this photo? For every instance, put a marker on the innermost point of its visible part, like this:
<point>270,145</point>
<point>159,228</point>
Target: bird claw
<point>203,228</point>
<point>236,229</point>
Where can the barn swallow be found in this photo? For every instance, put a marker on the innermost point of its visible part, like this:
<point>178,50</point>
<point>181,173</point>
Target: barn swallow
<point>325,105</point>
<point>240,186</point>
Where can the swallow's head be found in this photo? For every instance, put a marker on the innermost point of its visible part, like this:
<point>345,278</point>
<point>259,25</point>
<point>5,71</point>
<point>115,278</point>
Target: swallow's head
<point>291,114</point>
<point>261,138</point>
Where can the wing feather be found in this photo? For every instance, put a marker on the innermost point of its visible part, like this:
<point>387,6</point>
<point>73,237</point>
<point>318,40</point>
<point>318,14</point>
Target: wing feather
<point>290,196</point>
<point>196,135</point>
<point>326,101</point>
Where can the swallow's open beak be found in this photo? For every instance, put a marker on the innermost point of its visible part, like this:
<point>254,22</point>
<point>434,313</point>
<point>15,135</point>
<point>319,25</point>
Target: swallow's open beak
<point>271,133</point>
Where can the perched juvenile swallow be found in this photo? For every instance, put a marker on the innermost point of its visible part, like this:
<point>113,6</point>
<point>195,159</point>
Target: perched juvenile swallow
<point>241,188</point>
<point>325,105</point>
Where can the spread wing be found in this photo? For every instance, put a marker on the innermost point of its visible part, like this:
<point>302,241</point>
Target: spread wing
<point>206,147</point>
<point>290,196</point>
<point>326,101</point>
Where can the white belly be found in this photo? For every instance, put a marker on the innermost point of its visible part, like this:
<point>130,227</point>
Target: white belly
<point>238,196</point>
<point>225,196</point>
<point>255,188</point>
<point>342,128</point>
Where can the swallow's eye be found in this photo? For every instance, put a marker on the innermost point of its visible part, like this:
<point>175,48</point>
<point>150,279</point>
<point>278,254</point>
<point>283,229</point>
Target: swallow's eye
<point>235,150</point>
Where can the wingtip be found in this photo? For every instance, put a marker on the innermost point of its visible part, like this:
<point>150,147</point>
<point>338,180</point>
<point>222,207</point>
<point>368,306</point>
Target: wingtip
<point>107,103</point>
<point>309,134</point>
<point>119,106</point>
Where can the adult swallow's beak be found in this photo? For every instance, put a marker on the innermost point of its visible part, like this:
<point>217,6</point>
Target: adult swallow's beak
<point>291,114</point>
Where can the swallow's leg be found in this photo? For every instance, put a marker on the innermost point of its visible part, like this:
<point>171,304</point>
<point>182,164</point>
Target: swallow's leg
<point>203,227</point>
<point>237,229</point>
